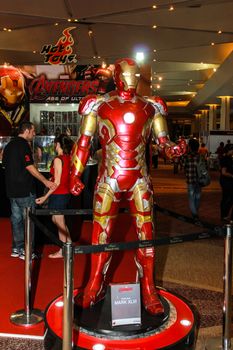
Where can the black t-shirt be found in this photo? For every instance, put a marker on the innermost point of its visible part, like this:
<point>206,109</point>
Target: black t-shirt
<point>17,156</point>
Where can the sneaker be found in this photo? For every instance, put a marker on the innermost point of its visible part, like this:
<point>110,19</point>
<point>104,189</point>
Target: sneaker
<point>22,255</point>
<point>15,253</point>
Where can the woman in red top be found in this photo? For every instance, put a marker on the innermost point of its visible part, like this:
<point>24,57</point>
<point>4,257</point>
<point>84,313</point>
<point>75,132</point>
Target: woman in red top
<point>59,198</point>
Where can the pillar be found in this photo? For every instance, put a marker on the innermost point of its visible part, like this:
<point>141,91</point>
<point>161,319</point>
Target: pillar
<point>225,113</point>
<point>212,116</point>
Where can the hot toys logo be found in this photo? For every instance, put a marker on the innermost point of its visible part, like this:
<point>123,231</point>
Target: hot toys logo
<point>61,53</point>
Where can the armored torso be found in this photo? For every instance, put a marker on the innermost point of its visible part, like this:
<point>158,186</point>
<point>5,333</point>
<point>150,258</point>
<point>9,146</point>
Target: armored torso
<point>124,127</point>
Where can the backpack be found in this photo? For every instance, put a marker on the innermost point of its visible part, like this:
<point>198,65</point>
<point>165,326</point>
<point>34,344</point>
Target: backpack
<point>202,173</point>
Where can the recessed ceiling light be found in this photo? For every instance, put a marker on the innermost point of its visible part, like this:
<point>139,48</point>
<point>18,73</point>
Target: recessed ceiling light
<point>154,7</point>
<point>140,56</point>
<point>219,32</point>
<point>154,26</point>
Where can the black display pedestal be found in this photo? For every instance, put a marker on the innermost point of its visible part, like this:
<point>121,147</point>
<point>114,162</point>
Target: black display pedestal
<point>175,330</point>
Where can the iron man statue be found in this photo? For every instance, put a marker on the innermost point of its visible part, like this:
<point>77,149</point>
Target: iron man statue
<point>124,122</point>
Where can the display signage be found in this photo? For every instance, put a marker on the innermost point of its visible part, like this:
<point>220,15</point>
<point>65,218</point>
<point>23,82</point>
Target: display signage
<point>42,90</point>
<point>62,51</point>
<point>125,304</point>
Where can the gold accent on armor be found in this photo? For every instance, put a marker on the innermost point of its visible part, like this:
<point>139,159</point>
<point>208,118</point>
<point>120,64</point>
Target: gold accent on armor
<point>141,219</point>
<point>159,124</point>
<point>138,193</point>
<point>107,195</point>
<point>109,126</point>
<point>103,238</point>
<point>89,124</point>
<point>76,161</point>
<point>112,158</point>
<point>103,220</point>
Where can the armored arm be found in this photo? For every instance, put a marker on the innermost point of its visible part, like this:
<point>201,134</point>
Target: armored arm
<point>81,149</point>
<point>160,129</point>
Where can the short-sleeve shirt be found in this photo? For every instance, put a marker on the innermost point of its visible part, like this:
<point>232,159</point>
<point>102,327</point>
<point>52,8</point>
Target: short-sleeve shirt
<point>17,156</point>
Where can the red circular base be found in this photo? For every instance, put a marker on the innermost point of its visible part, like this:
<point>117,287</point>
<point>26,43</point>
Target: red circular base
<point>178,333</point>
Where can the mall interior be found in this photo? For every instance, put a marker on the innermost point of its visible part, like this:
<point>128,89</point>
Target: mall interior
<point>53,55</point>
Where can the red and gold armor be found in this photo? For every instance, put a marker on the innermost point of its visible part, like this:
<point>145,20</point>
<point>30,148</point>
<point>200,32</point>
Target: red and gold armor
<point>12,92</point>
<point>124,122</point>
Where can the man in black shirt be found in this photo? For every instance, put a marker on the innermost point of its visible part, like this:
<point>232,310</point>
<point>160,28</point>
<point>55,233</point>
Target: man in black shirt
<point>20,172</point>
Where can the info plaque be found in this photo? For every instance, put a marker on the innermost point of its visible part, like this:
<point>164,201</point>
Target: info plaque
<point>125,304</point>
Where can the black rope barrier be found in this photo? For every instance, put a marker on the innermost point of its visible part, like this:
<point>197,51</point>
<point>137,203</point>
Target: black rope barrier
<point>184,218</point>
<point>47,212</point>
<point>119,246</point>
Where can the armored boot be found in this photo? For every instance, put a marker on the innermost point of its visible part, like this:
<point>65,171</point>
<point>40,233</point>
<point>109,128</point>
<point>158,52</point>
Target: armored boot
<point>145,263</point>
<point>95,289</point>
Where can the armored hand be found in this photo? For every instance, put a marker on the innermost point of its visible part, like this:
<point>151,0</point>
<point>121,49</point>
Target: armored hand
<point>170,149</point>
<point>76,185</point>
<point>175,151</point>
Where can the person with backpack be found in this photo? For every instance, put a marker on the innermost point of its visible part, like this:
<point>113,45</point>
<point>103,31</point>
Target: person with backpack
<point>191,160</point>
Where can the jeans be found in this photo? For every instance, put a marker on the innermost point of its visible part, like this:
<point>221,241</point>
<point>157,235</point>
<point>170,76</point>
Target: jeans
<point>194,196</point>
<point>17,219</point>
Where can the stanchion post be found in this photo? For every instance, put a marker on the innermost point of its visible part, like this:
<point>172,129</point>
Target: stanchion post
<point>27,317</point>
<point>226,341</point>
<point>68,304</point>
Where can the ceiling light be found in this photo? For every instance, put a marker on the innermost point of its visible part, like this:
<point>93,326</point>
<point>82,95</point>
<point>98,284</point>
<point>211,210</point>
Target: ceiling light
<point>5,29</point>
<point>160,78</point>
<point>212,44</point>
<point>69,20</point>
<point>219,32</point>
<point>154,7</point>
<point>56,24</point>
<point>140,56</point>
<point>9,30</point>
<point>171,8</point>
<point>158,86</point>
<point>154,60</point>
<point>154,50</point>
<point>215,69</point>
<point>34,51</point>
<point>154,26</point>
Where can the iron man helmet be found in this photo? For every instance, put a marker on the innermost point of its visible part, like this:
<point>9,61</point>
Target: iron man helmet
<point>12,89</point>
<point>126,75</point>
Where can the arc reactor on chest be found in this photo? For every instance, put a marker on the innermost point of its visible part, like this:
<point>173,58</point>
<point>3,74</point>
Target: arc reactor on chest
<point>129,118</point>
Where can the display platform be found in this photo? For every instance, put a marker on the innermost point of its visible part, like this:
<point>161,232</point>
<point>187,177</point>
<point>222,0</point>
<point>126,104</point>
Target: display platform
<point>175,330</point>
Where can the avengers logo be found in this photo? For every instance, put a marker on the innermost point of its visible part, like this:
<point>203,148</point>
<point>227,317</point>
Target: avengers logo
<point>62,52</point>
<point>45,90</point>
